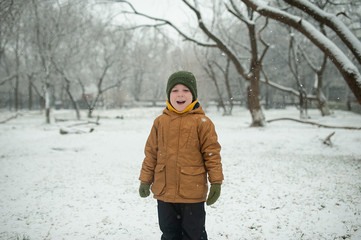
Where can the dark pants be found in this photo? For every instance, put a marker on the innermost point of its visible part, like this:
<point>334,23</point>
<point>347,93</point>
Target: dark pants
<point>182,221</point>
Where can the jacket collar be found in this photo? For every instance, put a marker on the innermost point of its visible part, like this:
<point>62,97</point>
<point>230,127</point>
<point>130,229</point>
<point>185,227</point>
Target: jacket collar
<point>187,109</point>
<point>197,109</point>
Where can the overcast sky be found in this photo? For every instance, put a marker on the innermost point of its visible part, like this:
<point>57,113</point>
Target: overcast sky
<point>175,11</point>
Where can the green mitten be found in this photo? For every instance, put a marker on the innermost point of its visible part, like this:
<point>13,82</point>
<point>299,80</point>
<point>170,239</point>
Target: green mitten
<point>144,190</point>
<point>214,194</point>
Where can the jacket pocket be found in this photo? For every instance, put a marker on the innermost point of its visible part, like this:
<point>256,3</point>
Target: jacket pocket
<point>193,182</point>
<point>159,180</point>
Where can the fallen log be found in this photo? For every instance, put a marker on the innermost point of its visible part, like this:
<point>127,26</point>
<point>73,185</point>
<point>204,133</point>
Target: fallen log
<point>71,130</point>
<point>12,117</point>
<point>64,131</point>
<point>84,123</point>
<point>314,123</point>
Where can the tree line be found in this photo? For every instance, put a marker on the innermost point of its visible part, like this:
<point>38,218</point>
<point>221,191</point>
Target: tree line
<point>255,53</point>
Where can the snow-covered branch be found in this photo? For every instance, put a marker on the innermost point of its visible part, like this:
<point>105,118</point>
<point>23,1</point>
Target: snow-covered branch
<point>314,123</point>
<point>348,70</point>
<point>332,22</point>
<point>283,88</point>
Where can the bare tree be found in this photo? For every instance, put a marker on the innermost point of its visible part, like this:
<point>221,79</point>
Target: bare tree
<point>293,63</point>
<point>10,18</point>
<point>44,40</point>
<point>322,104</point>
<point>100,89</point>
<point>17,65</point>
<point>67,87</point>
<point>208,61</point>
<point>107,52</point>
<point>226,75</point>
<point>68,57</point>
<point>54,49</point>
<point>141,60</point>
<point>254,69</point>
<point>209,69</point>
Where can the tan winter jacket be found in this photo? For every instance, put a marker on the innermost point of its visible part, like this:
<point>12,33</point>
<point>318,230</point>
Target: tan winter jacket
<point>180,151</point>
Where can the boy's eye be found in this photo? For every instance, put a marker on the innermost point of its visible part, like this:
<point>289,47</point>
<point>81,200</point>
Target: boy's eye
<point>175,90</point>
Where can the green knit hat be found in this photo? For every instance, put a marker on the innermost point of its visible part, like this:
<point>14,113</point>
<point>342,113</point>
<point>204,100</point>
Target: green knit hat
<point>185,78</point>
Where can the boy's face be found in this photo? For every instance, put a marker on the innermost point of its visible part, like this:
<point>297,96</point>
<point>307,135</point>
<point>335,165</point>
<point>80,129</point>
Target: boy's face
<point>180,97</point>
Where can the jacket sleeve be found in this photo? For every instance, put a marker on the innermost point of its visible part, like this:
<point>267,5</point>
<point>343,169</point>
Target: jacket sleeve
<point>211,149</point>
<point>150,160</point>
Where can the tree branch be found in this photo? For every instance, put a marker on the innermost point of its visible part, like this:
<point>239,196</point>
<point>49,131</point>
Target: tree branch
<point>308,60</point>
<point>117,84</point>
<point>283,88</point>
<point>144,26</point>
<point>266,45</point>
<point>237,13</point>
<point>101,79</point>
<point>164,22</point>
<point>8,79</point>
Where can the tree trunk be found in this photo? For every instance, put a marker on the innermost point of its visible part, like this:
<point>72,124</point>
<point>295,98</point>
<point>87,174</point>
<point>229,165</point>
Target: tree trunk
<point>267,98</point>
<point>90,112</point>
<point>17,67</point>
<point>258,119</point>
<point>16,93</point>
<point>30,92</point>
<point>47,103</point>
<point>220,98</point>
<point>228,87</point>
<point>303,103</point>
<point>75,105</point>
<point>322,104</point>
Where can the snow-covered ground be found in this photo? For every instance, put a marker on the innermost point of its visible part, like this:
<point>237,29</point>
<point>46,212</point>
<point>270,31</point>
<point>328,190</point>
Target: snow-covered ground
<point>281,181</point>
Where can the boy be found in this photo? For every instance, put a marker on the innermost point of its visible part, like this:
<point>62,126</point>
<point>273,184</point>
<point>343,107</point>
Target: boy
<point>181,150</point>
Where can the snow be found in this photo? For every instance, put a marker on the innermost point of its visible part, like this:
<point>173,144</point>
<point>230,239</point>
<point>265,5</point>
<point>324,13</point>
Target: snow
<point>281,181</point>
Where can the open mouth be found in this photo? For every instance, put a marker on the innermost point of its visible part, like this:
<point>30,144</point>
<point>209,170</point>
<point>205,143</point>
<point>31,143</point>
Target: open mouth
<point>181,102</point>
